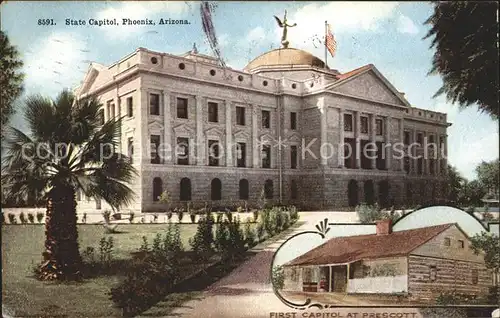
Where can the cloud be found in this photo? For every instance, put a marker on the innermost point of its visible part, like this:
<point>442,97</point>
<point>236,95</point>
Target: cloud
<point>56,62</point>
<point>406,25</point>
<point>139,11</point>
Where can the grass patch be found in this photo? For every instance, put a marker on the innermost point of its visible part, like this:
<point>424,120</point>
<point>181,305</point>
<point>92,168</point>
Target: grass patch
<point>23,295</point>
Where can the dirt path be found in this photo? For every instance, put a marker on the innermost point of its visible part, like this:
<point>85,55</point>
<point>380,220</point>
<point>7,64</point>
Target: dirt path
<point>247,292</point>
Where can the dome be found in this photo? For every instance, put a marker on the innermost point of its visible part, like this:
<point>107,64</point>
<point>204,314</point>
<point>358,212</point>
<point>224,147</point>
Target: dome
<point>282,57</point>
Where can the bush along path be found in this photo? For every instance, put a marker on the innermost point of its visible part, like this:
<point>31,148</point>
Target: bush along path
<point>218,246</point>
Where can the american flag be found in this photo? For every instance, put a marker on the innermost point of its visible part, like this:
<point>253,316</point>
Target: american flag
<point>331,44</point>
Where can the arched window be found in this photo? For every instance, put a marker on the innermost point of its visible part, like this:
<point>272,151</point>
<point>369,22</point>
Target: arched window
<point>243,189</point>
<point>157,189</point>
<point>383,193</point>
<point>185,189</point>
<point>352,193</point>
<point>216,189</point>
<point>409,193</point>
<point>369,192</point>
<point>293,190</point>
<point>268,189</point>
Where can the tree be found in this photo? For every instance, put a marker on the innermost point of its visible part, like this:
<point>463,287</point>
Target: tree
<point>66,150</point>
<point>11,79</point>
<point>488,175</point>
<point>471,193</point>
<point>454,184</point>
<point>465,37</point>
<point>488,243</point>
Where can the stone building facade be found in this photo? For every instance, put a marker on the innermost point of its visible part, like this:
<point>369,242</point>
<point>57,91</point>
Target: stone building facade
<point>207,133</point>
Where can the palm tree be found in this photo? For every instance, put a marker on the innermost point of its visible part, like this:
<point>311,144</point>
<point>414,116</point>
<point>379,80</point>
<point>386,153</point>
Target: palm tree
<point>67,150</point>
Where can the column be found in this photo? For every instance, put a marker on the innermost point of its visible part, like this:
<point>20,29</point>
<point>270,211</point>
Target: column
<point>401,139</point>
<point>414,161</point>
<point>357,128</point>
<point>445,152</point>
<point>255,138</point>
<point>168,148</point>
<point>142,138</point>
<point>388,152</point>
<point>200,142</point>
<point>323,127</point>
<point>426,154</point>
<point>229,134</point>
<point>341,139</point>
<point>373,134</point>
<point>118,111</point>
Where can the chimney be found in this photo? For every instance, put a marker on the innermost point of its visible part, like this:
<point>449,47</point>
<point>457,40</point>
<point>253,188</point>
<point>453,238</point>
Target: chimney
<point>384,227</point>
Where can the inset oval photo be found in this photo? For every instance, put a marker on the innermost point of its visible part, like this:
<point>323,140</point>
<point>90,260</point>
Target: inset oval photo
<point>433,256</point>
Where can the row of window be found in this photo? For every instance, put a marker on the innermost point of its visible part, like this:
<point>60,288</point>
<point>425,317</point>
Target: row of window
<point>182,153</point>
<point>216,189</point>
<point>351,155</point>
<point>420,166</point>
<point>420,139</point>
<point>447,242</point>
<point>364,124</point>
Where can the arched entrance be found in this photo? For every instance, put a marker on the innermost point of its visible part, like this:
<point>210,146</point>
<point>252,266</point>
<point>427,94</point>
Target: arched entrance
<point>369,192</point>
<point>352,193</point>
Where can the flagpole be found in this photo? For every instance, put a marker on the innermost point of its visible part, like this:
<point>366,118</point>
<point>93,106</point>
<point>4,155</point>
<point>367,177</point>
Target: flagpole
<point>326,53</point>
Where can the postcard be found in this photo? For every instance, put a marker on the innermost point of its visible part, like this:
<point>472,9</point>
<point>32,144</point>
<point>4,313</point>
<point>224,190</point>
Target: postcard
<point>249,159</point>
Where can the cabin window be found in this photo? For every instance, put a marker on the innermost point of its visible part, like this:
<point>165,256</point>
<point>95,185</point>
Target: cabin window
<point>294,275</point>
<point>461,244</point>
<point>432,273</point>
<point>447,241</point>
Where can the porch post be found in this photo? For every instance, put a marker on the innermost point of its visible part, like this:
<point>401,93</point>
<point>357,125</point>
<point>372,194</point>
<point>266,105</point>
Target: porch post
<point>330,279</point>
<point>347,277</point>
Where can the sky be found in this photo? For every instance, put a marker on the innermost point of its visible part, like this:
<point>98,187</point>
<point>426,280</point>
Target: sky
<point>386,34</point>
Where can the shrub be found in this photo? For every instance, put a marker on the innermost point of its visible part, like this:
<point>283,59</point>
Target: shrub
<point>117,216</point>
<point>40,215</point>
<point>201,242</point>
<point>219,217</point>
<point>470,210</point>
<point>155,217</point>
<point>106,215</point>
<point>22,218</point>
<point>487,216</point>
<point>260,231</point>
<point>106,250</point>
<point>255,215</point>
<point>3,218</point>
<point>192,215</point>
<point>131,217</point>
<point>294,215</point>
<point>454,298</point>
<point>278,277</point>
<point>169,215</point>
<point>31,217</point>
<point>144,245</point>
<point>88,255</point>
<point>286,220</point>
<point>249,236</point>
<point>180,214</point>
<point>84,218</point>
<point>12,218</point>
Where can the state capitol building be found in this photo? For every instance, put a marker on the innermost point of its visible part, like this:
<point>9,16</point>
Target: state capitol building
<point>284,129</point>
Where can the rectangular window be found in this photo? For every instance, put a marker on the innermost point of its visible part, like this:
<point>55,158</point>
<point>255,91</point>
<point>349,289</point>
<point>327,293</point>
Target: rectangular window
<point>101,117</point>
<point>432,273</point>
<point>420,166</point>
<point>461,244</point>
<point>213,152</point>
<point>407,164</point>
<point>130,149</point>
<point>130,107</point>
<point>293,121</point>
<point>380,161</point>
<point>347,122</point>
<point>379,127</point>
<point>240,115</point>
<point>432,162</point>
<point>475,276</point>
<point>420,138</point>
<point>266,156</point>
<point>266,119</point>
<point>155,144</point>
<point>441,142</point>
<point>293,157</point>
<point>241,154</point>
<point>182,108</point>
<point>364,125</point>
<point>447,241</point>
<point>349,153</point>
<point>182,151</point>
<point>407,138</point>
<point>431,139</point>
<point>213,112</point>
<point>154,104</point>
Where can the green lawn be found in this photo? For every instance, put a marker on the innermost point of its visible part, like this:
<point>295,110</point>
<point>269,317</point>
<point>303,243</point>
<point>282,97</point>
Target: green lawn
<point>23,295</point>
